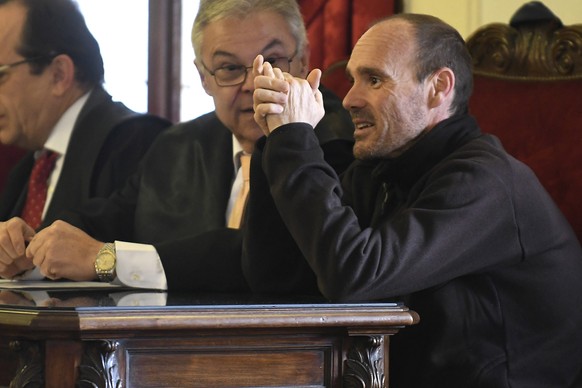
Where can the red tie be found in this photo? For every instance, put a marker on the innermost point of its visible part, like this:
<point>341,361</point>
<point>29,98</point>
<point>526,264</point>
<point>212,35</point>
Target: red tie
<point>37,188</point>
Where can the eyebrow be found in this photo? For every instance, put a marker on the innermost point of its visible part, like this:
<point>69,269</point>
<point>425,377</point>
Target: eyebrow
<point>366,70</point>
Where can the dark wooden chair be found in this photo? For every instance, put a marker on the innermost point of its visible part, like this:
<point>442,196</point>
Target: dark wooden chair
<point>528,92</point>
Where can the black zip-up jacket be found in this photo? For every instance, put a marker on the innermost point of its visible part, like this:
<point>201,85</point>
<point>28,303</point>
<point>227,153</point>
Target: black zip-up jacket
<point>455,227</point>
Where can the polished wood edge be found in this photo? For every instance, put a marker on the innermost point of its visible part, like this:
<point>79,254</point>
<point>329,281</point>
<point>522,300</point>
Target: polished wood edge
<point>531,51</point>
<point>379,319</point>
<point>35,319</point>
<point>364,319</point>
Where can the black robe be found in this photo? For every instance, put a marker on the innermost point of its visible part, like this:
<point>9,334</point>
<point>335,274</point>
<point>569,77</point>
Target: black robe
<point>177,200</point>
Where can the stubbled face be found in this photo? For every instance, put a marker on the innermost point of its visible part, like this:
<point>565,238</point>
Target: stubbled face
<point>388,104</point>
<point>25,119</point>
<point>235,41</point>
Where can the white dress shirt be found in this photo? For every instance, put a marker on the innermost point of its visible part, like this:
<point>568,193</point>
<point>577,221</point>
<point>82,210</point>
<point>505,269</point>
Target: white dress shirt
<point>58,141</point>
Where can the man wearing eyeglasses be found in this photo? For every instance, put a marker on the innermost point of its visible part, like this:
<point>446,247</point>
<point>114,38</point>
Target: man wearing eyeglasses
<point>183,198</point>
<point>82,144</point>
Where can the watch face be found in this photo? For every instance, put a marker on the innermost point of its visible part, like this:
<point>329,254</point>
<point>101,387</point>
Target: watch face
<point>106,261</point>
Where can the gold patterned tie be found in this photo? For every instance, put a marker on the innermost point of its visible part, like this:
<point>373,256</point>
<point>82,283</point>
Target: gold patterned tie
<point>236,215</point>
<point>38,188</point>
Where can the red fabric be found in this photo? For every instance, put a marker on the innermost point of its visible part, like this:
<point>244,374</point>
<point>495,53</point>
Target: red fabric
<point>333,28</point>
<point>37,189</point>
<point>540,124</point>
<point>8,157</point>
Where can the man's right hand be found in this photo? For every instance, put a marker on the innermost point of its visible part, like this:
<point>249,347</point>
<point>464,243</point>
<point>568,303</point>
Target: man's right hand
<point>62,251</point>
<point>279,98</point>
<point>14,234</point>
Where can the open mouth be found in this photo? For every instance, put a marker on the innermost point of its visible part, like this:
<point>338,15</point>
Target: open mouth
<point>362,126</point>
<point>362,121</point>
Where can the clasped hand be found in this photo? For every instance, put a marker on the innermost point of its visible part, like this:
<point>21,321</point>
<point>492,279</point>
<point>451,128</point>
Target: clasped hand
<point>279,98</point>
<point>60,251</point>
<point>14,235</point>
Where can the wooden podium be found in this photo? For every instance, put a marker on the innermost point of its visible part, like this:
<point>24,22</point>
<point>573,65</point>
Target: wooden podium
<point>196,341</point>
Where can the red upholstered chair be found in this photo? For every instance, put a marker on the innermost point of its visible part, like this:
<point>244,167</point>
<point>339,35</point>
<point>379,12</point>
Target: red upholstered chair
<point>528,92</point>
<point>8,158</point>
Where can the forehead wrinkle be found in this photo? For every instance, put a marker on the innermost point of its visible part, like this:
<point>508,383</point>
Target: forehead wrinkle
<point>11,31</point>
<point>388,50</point>
<point>367,70</point>
<point>224,53</point>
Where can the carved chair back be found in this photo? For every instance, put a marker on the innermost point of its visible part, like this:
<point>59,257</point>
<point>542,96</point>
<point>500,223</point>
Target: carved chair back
<point>528,92</point>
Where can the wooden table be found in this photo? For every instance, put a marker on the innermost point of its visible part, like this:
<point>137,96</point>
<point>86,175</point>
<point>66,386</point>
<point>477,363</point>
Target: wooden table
<point>198,341</point>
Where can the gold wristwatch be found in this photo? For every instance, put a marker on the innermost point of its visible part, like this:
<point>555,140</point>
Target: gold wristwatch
<point>105,263</point>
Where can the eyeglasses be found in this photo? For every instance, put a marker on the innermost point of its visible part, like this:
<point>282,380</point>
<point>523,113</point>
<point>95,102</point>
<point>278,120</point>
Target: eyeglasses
<point>232,75</point>
<point>4,68</point>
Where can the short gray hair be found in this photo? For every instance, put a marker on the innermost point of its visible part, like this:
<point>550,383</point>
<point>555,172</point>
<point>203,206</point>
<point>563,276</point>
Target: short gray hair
<point>213,10</point>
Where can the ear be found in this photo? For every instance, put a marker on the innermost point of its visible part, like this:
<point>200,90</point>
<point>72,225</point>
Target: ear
<point>441,87</point>
<point>62,72</point>
<point>203,78</point>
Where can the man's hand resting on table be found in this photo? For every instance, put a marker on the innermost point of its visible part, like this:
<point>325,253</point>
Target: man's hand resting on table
<point>62,251</point>
<point>14,235</point>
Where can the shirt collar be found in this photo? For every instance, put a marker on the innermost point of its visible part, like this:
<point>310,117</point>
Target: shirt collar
<point>59,138</point>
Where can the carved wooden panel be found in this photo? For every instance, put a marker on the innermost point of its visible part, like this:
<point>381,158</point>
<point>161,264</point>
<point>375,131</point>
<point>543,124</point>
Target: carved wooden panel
<point>229,361</point>
<point>30,370</point>
<point>364,366</point>
<point>537,50</point>
<point>99,366</point>
<point>219,346</point>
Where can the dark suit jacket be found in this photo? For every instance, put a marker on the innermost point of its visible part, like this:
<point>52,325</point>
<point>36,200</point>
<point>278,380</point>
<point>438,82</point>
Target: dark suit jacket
<point>106,145</point>
<point>178,199</point>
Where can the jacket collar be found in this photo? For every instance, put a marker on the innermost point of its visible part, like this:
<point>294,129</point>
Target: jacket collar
<point>435,145</point>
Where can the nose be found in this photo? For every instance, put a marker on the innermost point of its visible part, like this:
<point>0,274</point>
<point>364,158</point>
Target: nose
<point>249,84</point>
<point>352,99</point>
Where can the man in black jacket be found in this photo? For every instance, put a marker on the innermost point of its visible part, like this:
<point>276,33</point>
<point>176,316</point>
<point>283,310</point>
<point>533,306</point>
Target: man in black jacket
<point>433,213</point>
<point>180,199</point>
<point>52,103</point>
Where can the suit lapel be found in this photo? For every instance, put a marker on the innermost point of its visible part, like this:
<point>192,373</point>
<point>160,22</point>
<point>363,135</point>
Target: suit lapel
<point>96,120</point>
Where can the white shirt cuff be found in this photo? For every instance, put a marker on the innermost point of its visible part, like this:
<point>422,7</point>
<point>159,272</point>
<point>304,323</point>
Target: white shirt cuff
<point>139,266</point>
